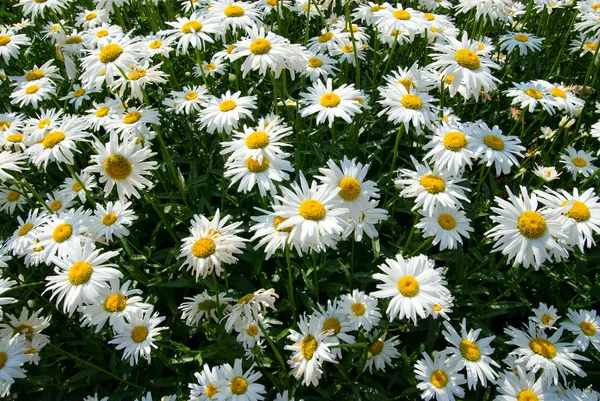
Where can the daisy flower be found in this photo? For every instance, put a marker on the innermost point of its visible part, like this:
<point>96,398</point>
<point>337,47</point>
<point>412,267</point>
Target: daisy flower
<point>413,79</point>
<point>10,199</point>
<point>30,327</point>
<point>470,352</point>
<point>354,190</point>
<point>578,162</point>
<point>583,210</point>
<point>189,100</point>
<point>210,244</point>
<point>250,172</point>
<point>33,92</point>
<point>525,42</point>
<point>451,147</point>
<point>58,203</point>
<point>337,321</point>
<point>271,236</point>
<point>78,95</point>
<point>361,309</point>
<point>381,352</point>
<point>122,164</point>
<point>139,333</point>
<point>112,220</point>
<point>224,114</point>
<point>586,326</point>
<point>261,141</point>
<point>522,385</point>
<point>261,52</point>
<point>215,67</point>
<point>526,234</point>
<point>12,353</point>
<point>528,95</point>
<point>33,8</point>
<point>71,188</point>
<point>442,307</point>
<point>26,232</point>
<point>365,223</point>
<point>347,52</point>
<point>134,120</point>
<point>233,14</point>
<point>194,31</point>
<point>399,18</point>
<point>11,42</point>
<point>39,126</point>
<point>447,225</point>
<point>545,316</point>
<point>493,147</point>
<point>460,60</point>
<point>11,162</point>
<point>546,173</point>
<point>139,76</point>
<point>320,65</point>
<point>310,349</point>
<point>249,333</point>
<point>564,98</point>
<point>60,143</point>
<point>537,352</point>
<point>413,284</point>
<point>91,18</point>
<point>250,305</point>
<point>207,387</point>
<point>110,59</point>
<point>235,384</point>
<point>411,109</point>
<point>102,34</point>
<point>328,41</point>
<point>62,233</point>
<point>46,70</point>
<point>115,302</point>
<point>204,306</point>
<point>158,44</point>
<point>81,276</point>
<point>329,103</point>
<point>438,379</point>
<point>5,285</point>
<point>430,187</point>
<point>313,213</point>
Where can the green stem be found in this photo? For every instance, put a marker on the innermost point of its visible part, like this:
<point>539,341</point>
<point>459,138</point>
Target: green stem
<point>290,282</point>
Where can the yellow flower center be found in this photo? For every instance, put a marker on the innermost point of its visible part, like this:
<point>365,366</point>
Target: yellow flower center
<point>191,96</point>
<point>207,305</point>
<point>412,102</point>
<point>53,139</point>
<point>56,205</point>
<point>579,211</point>
<point>591,46</point>
<point>468,59</point>
<point>30,90</point>
<point>408,286</point>
<point>38,249</point>
<point>439,378</point>
<point>139,334</point>
<point>117,167</point>
<point>4,125</point>
<point>350,188</point>
<point>3,356</point>
<point>494,142</point>
<point>447,221</point>
<point>79,92</point>
<point>102,33</point>
<point>361,101</point>
<point>543,347</point>
<point>534,93</point>
<point>326,37</point>
<point>25,229</point>
<point>109,219</point>
<point>115,303</point>
<point>136,74</point>
<point>245,299</point>
<point>55,28</point>
<point>277,221</point>
<point>4,40</point>
<point>13,196</point>
<point>556,92</point>
<point>546,318</point>
<point>252,331</point>
<point>377,8</point>
<point>76,187</point>
<point>257,140</point>
<point>437,307</point>
<point>196,26</point>
<point>211,390</point>
<point>527,395</point>
<point>401,15</point>
<point>272,3</point>
<point>596,6</point>
<point>531,224</point>
<point>469,350</point>
<point>330,100</point>
<point>102,111</point>
<point>347,49</point>
<point>521,38</point>
<point>210,67</point>
<point>358,309</point>
<point>433,183</point>
<point>407,83</point>
<point>34,75</point>
<point>233,11</point>
<point>204,247</point>
<point>375,348</point>
<point>230,49</point>
<point>155,44</point>
<point>110,53</point>
<point>255,167</point>
<point>80,273</point>
<point>587,328</point>
<point>312,210</point>
<point>62,232</point>
<point>449,79</point>
<point>227,105</point>
<point>579,162</point>
<point>25,329</point>
<point>44,123</point>
<point>455,141</point>
<point>74,40</point>
<point>332,324</point>
<point>90,16</point>
<point>260,46</point>
<point>132,117</point>
<point>314,62</point>
<point>309,346</point>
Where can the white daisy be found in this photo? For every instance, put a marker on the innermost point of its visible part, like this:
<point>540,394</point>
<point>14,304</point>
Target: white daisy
<point>586,325</point>
<point>545,316</point>
<point>250,305</point>
<point>204,306</point>
<point>337,321</point>
<point>493,147</point>
<point>11,42</point>
<point>235,384</point>
<point>578,161</point>
<point>13,356</point>
<point>33,93</point>
<point>528,95</point>
<point>546,173</point>
<point>526,43</point>
<point>451,147</point>
<point>11,199</point>
<point>224,114</point>
<point>522,385</point>
<point>207,387</point>
<point>447,225</point>
<point>11,162</point>
<point>261,141</point>
<point>329,103</point>
<point>71,188</point>
<point>26,232</point>
<point>361,309</point>
<point>438,379</point>
<point>112,220</point>
<point>62,233</point>
<point>195,31</point>
<point>234,14</point>
<point>411,109</point>
<point>381,352</point>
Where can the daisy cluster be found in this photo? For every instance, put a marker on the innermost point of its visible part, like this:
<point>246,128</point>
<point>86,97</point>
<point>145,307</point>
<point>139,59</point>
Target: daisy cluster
<point>290,193</point>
